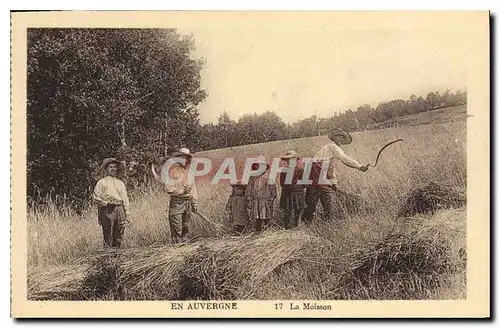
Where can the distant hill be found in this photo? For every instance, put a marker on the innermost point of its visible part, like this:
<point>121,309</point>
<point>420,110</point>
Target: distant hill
<point>436,116</point>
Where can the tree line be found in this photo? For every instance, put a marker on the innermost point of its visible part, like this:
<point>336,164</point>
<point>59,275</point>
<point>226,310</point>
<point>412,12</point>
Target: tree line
<point>268,126</point>
<point>134,94</point>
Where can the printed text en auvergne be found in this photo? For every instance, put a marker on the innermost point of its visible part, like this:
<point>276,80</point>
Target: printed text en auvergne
<point>204,306</point>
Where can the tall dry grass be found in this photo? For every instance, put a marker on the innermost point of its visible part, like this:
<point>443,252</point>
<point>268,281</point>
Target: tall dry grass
<point>59,238</point>
<point>411,259</point>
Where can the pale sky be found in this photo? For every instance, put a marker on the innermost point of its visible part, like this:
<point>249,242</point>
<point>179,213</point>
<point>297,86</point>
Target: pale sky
<point>317,70</point>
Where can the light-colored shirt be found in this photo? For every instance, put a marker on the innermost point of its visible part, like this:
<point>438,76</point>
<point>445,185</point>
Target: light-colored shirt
<point>181,182</point>
<point>333,152</point>
<point>111,190</point>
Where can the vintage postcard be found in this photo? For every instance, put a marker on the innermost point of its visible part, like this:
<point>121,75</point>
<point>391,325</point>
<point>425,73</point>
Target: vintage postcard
<point>250,164</point>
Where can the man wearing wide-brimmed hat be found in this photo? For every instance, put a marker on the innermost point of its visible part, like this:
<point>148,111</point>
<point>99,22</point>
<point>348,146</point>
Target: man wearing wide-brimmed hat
<point>110,195</point>
<point>292,199</point>
<point>181,186</point>
<point>331,152</point>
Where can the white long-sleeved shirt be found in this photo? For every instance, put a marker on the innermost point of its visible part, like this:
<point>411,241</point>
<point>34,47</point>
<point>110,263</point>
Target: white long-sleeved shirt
<point>111,190</point>
<point>333,152</point>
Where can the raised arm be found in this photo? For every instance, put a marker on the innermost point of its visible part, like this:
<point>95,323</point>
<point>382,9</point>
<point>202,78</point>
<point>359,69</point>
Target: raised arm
<point>348,161</point>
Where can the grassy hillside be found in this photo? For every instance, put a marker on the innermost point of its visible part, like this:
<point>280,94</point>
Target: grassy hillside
<point>423,256</point>
<point>437,116</point>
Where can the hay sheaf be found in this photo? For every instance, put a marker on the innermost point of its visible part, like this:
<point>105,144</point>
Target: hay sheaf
<point>410,263</point>
<point>233,269</point>
<point>141,274</point>
<point>226,268</point>
<point>56,283</point>
<point>430,198</point>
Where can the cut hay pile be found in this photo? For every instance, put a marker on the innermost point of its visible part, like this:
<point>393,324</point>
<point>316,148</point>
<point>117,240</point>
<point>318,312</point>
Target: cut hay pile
<point>233,269</point>
<point>417,258</point>
<point>145,273</point>
<point>430,198</point>
<point>56,283</point>
<point>213,269</point>
<point>408,264</point>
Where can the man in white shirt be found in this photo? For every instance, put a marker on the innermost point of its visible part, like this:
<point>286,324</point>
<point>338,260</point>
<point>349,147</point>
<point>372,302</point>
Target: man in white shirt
<point>324,192</point>
<point>110,196</point>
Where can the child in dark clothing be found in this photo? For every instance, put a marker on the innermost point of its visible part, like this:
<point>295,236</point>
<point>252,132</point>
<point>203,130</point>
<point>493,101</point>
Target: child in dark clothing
<point>236,207</point>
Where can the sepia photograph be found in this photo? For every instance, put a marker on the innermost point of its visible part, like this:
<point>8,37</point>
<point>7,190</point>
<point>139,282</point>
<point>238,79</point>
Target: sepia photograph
<point>302,161</point>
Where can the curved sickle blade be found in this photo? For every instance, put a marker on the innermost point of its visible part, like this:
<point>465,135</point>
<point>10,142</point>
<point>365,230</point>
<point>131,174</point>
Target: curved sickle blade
<point>380,151</point>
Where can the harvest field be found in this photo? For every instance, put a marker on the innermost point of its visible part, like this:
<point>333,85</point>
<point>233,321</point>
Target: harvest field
<point>441,115</point>
<point>371,252</point>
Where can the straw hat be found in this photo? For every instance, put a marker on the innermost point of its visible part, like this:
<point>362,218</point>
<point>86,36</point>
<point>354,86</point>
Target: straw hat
<point>110,160</point>
<point>107,161</point>
<point>182,152</point>
<point>345,139</point>
<point>290,154</point>
<point>261,160</point>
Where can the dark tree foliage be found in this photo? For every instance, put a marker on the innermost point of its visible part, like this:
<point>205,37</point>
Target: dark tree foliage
<point>95,93</point>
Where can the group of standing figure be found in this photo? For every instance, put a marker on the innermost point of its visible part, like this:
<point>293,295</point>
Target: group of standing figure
<point>254,201</point>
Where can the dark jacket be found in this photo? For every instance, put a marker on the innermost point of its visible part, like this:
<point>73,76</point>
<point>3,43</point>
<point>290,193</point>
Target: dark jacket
<point>292,194</point>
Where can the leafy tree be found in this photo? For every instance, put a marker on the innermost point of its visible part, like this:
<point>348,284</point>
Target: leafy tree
<point>94,93</point>
<point>226,129</point>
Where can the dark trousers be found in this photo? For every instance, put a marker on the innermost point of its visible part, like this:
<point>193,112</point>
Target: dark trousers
<point>112,220</point>
<point>291,218</point>
<point>325,196</point>
<point>261,224</point>
<point>179,219</point>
